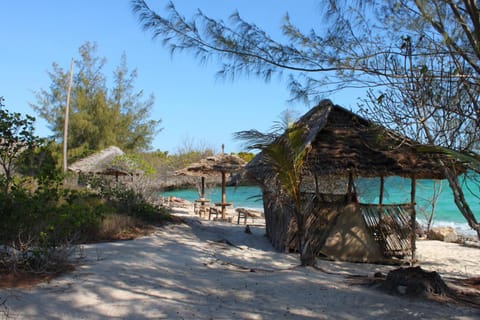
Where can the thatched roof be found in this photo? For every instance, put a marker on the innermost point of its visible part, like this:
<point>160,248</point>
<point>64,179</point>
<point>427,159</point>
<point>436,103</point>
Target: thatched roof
<point>105,162</point>
<point>343,142</point>
<point>211,166</point>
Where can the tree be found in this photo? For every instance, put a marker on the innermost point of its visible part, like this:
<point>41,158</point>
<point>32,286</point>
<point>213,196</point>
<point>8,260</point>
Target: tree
<point>359,40</point>
<point>315,64</point>
<point>99,116</point>
<point>428,209</point>
<point>285,154</point>
<point>362,42</point>
<point>434,96</point>
<point>433,85</point>
<point>16,136</point>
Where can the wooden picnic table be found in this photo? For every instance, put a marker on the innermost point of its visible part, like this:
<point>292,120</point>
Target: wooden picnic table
<point>223,207</point>
<point>202,201</point>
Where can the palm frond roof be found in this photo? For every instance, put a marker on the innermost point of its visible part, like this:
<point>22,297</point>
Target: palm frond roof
<point>341,142</point>
<point>210,166</point>
<point>106,162</point>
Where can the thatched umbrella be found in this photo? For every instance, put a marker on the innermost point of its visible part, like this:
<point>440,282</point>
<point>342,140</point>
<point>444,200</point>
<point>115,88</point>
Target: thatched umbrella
<point>211,166</point>
<point>105,162</point>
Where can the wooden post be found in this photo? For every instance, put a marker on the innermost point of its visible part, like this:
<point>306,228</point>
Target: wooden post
<point>382,187</point>
<point>202,190</point>
<point>350,183</point>
<point>351,197</point>
<point>224,196</point>
<point>413,219</point>
<point>380,199</point>
<point>317,190</point>
<point>224,193</point>
<point>65,124</point>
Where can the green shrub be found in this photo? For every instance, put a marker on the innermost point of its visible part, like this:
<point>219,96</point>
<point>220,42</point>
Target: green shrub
<point>130,200</point>
<point>53,215</point>
<point>38,229</point>
<point>132,203</point>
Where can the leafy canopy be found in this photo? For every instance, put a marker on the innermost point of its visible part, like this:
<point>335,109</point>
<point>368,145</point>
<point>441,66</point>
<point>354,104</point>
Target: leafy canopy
<point>99,116</point>
<point>16,137</point>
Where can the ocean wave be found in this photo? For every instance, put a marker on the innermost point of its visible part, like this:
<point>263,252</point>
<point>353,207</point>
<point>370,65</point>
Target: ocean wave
<point>463,229</point>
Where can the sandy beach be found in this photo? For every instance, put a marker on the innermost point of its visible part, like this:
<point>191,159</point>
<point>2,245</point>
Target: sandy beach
<point>214,270</point>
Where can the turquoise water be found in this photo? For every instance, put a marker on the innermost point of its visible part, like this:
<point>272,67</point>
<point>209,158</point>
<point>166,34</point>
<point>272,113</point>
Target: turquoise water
<point>241,197</point>
<point>397,190</point>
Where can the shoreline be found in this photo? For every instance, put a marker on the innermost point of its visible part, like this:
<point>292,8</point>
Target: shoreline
<point>462,229</point>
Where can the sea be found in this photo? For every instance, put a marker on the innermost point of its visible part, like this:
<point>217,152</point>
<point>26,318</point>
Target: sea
<point>397,190</point>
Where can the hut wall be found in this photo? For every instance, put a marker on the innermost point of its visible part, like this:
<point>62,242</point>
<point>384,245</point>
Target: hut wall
<point>277,220</point>
<point>390,225</point>
<point>335,228</point>
<point>319,222</point>
<point>349,238</point>
<point>281,229</point>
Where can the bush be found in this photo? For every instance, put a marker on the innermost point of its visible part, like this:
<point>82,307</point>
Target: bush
<point>39,229</point>
<point>134,199</point>
<point>132,203</point>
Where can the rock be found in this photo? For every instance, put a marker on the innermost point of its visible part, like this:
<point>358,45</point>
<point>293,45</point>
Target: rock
<point>472,243</point>
<point>447,234</point>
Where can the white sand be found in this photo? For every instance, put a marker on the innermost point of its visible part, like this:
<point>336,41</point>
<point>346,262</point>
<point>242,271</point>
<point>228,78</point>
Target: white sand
<point>188,271</point>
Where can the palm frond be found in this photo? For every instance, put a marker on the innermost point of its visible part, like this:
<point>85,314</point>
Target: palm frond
<point>470,158</point>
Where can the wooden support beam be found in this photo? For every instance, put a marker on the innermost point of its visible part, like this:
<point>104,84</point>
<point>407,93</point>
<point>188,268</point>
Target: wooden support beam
<point>382,187</point>
<point>202,190</point>
<point>413,234</point>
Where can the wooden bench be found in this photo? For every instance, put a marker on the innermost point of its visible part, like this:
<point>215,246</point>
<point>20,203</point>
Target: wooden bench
<point>245,214</point>
<point>213,211</point>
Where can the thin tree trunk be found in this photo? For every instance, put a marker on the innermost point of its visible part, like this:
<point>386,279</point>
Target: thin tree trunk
<point>413,220</point>
<point>460,201</point>
<point>307,258</point>
<point>65,125</point>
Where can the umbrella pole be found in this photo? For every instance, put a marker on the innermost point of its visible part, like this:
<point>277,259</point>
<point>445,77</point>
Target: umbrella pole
<point>224,196</point>
<point>202,190</point>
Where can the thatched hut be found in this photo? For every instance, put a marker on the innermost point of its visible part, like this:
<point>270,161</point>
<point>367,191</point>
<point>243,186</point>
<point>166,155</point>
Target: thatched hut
<point>343,147</point>
<point>108,162</point>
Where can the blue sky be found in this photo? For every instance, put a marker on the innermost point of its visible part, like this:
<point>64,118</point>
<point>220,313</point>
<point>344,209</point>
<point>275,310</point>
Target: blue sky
<point>195,107</point>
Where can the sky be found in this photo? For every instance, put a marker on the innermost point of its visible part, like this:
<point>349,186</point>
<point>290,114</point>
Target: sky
<point>196,108</point>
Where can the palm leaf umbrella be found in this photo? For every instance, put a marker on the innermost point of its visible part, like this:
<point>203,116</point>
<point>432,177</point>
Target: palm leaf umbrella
<point>212,166</point>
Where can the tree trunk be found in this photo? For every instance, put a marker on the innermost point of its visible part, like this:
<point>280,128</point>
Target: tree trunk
<point>460,200</point>
<point>307,258</point>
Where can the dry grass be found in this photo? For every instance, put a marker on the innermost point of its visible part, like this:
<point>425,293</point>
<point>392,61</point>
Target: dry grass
<point>122,227</point>
<point>114,227</point>
<point>25,279</point>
